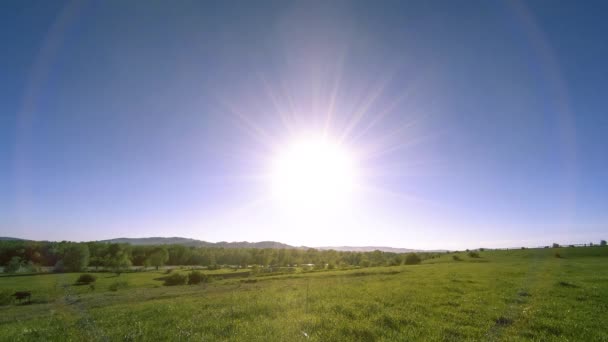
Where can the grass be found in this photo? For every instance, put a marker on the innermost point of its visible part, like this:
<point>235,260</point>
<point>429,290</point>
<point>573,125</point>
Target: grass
<point>503,295</point>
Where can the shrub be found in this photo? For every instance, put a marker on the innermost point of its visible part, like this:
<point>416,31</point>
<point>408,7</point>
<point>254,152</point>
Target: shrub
<point>456,258</point>
<point>86,279</point>
<point>6,297</point>
<point>196,277</point>
<point>412,259</point>
<point>175,279</point>
<point>557,255</point>
<point>115,286</point>
<point>14,265</point>
<point>168,271</point>
<point>473,254</point>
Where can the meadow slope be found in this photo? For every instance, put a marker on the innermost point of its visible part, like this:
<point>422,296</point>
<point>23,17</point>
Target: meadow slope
<point>503,295</point>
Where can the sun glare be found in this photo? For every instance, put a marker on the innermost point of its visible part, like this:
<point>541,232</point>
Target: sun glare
<point>313,173</point>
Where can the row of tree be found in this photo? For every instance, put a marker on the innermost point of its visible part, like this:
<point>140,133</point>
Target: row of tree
<point>73,257</point>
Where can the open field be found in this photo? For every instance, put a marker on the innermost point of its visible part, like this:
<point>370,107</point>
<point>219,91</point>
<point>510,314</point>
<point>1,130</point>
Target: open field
<point>503,295</point>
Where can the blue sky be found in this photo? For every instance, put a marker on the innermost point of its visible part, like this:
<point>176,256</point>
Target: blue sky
<point>477,123</point>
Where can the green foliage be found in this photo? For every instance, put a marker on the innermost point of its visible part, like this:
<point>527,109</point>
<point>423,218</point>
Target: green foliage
<point>603,243</point>
<point>196,277</point>
<point>117,285</point>
<point>473,254</point>
<point>412,259</point>
<point>14,265</point>
<point>6,296</point>
<point>396,261</point>
<point>456,258</point>
<point>158,257</point>
<point>175,279</point>
<point>555,245</point>
<point>76,257</point>
<point>85,279</point>
<point>117,258</point>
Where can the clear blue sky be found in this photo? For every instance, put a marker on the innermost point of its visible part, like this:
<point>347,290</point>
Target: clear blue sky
<point>483,123</point>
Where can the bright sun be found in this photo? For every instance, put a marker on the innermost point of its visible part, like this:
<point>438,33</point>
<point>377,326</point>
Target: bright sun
<point>313,173</point>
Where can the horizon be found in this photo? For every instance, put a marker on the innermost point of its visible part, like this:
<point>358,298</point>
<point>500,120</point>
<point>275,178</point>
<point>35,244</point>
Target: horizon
<point>531,246</point>
<point>422,125</point>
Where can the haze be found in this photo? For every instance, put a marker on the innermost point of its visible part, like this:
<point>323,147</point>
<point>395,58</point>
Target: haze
<point>456,128</point>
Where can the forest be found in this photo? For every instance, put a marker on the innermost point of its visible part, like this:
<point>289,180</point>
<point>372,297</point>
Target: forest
<point>65,256</point>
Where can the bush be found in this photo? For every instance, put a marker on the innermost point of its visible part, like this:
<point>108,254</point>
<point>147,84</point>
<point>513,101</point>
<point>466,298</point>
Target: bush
<point>175,279</point>
<point>456,258</point>
<point>412,259</point>
<point>557,255</point>
<point>14,265</point>
<point>118,285</point>
<point>168,271</point>
<point>473,254</point>
<point>6,297</point>
<point>86,279</point>
<point>196,277</point>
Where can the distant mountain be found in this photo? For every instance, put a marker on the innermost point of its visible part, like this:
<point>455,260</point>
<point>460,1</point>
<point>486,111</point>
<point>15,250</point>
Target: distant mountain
<point>239,244</point>
<point>370,249</point>
<point>5,238</point>
<point>197,243</point>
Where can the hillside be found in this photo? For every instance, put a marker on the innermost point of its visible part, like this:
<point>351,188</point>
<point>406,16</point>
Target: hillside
<point>197,243</point>
<point>369,249</point>
<point>6,238</point>
<point>146,241</point>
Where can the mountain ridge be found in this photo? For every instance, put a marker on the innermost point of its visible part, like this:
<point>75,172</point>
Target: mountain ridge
<point>189,242</point>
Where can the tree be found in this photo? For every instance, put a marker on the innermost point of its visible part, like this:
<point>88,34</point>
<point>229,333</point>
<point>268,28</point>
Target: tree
<point>118,262</point>
<point>603,243</point>
<point>14,265</point>
<point>158,257</point>
<point>76,257</point>
<point>555,245</point>
<point>412,259</point>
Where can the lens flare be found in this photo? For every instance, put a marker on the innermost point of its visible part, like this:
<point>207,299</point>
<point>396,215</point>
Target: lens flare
<point>313,173</point>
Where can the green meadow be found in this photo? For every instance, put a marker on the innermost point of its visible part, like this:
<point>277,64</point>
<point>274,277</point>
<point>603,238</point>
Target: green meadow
<point>515,295</point>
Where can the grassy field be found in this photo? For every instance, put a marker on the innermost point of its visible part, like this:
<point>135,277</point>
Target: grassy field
<point>503,295</point>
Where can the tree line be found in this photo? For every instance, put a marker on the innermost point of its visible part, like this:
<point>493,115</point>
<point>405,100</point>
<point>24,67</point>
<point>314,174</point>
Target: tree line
<point>68,256</point>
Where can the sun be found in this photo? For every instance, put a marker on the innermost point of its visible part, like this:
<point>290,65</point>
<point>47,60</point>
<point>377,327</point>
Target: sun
<point>313,173</point>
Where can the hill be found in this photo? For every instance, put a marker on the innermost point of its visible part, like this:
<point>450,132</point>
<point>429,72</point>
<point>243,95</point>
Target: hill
<point>6,238</point>
<point>146,241</point>
<point>197,243</point>
<point>369,249</point>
